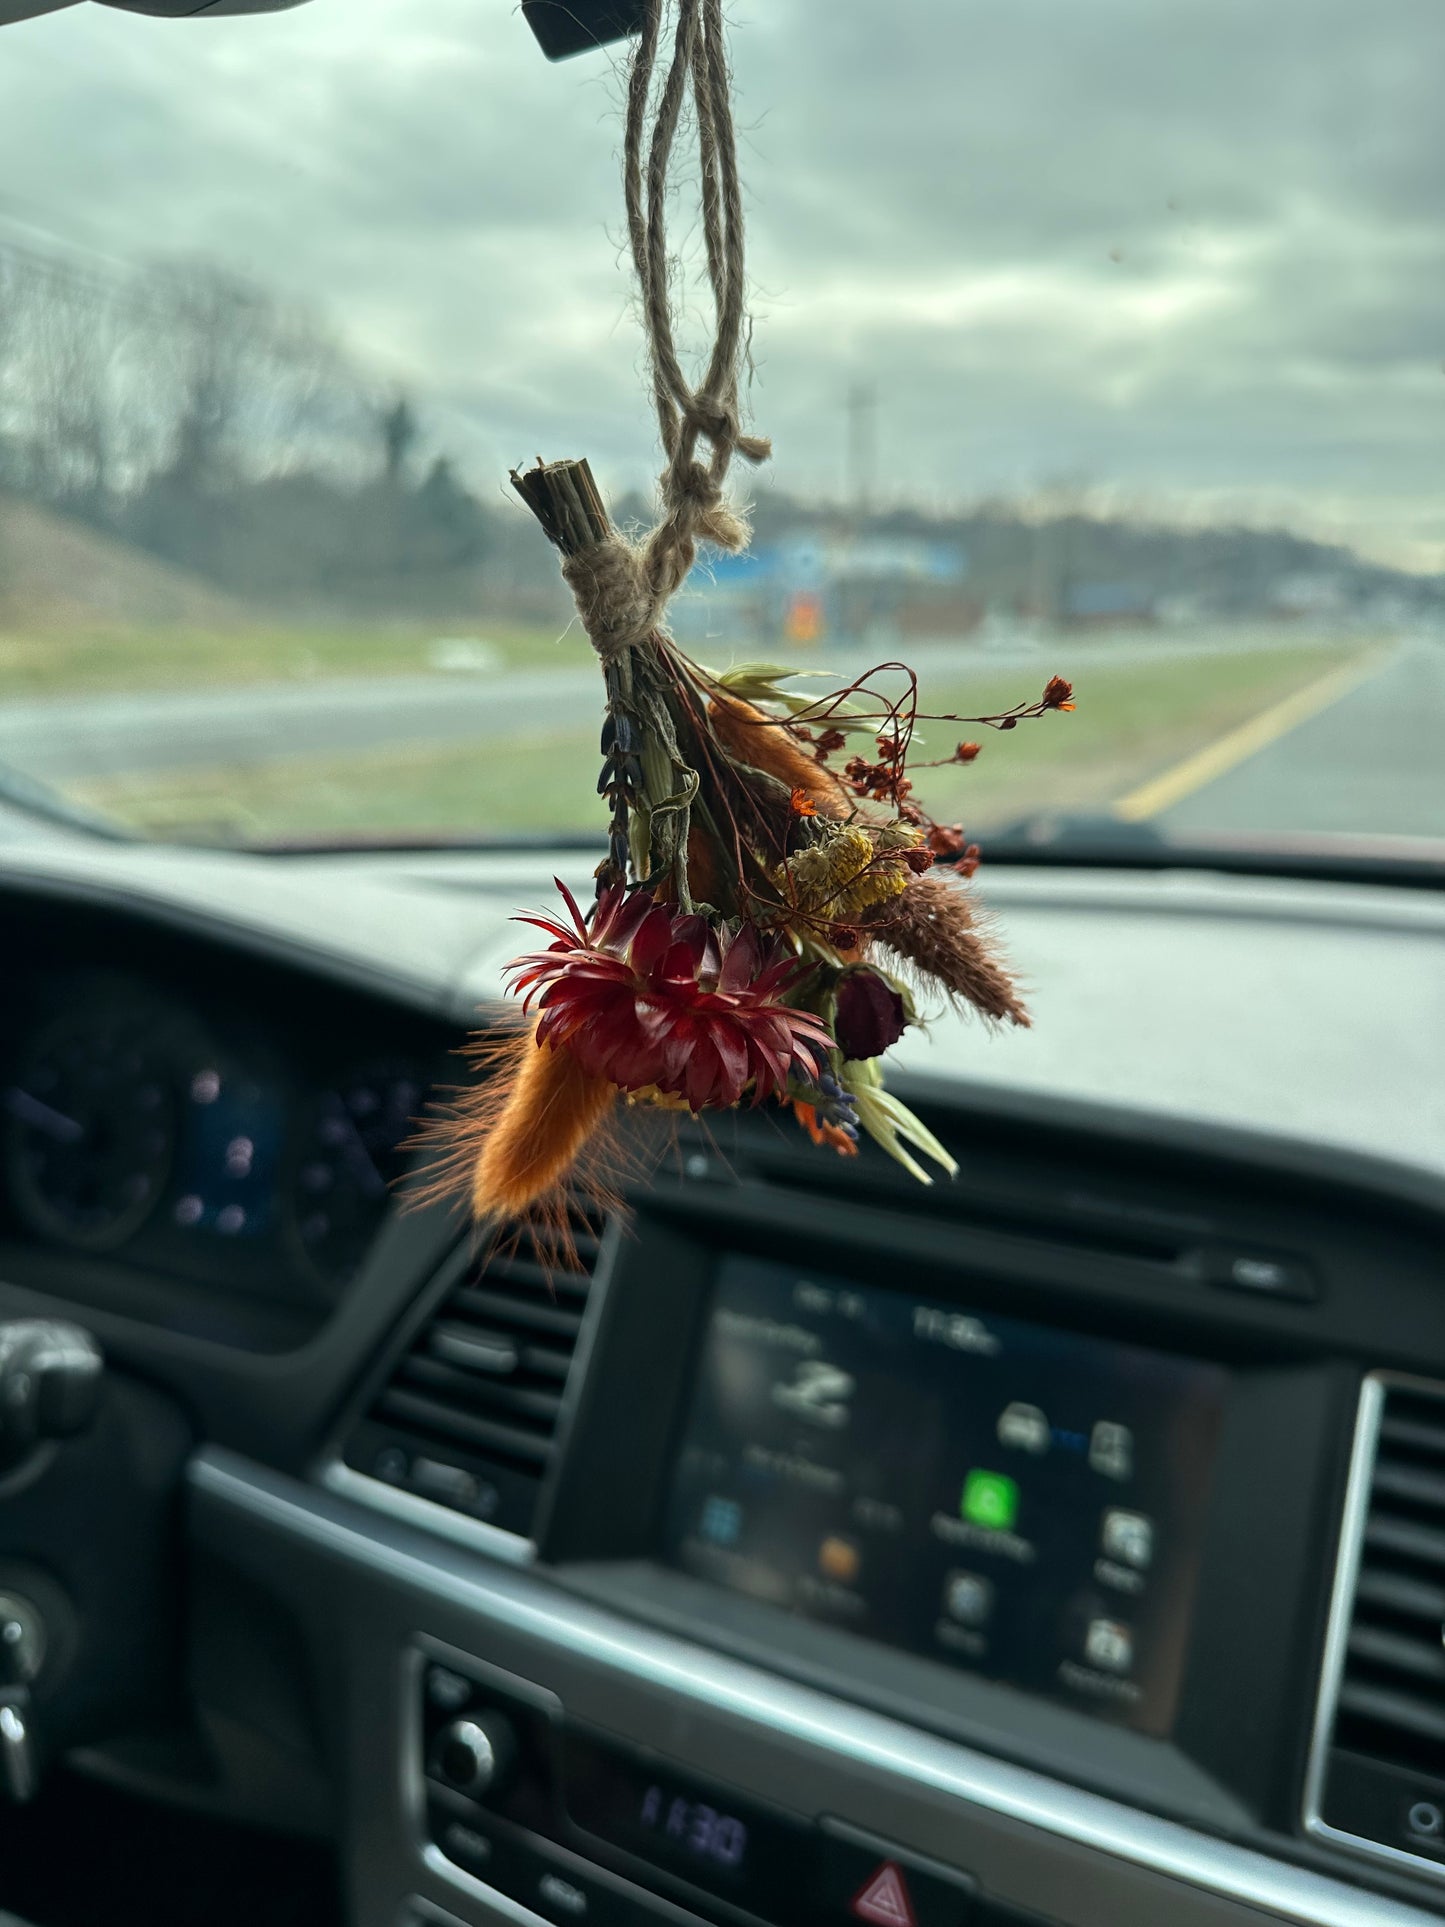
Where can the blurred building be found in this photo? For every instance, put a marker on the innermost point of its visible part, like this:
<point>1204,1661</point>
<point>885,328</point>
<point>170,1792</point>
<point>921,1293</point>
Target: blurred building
<point>811,588</point>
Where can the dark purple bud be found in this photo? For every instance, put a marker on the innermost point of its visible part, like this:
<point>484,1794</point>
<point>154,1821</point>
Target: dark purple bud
<point>870,1014</point>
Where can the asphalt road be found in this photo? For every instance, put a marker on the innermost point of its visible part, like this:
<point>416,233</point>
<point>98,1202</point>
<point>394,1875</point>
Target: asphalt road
<point>1371,761</point>
<point>79,738</point>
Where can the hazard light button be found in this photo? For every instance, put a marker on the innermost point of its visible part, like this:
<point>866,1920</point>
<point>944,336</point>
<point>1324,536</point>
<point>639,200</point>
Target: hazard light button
<point>862,1878</point>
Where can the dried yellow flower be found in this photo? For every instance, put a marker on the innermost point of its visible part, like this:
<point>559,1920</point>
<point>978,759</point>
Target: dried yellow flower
<point>847,873</point>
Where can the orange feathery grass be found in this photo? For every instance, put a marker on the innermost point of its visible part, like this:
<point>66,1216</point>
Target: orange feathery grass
<point>750,735</point>
<point>539,1130</point>
<point>521,1140</point>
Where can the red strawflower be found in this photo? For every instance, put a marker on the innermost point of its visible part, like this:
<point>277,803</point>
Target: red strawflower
<point>652,1000</point>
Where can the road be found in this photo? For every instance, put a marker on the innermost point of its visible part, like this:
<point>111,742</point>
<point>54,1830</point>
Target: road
<point>1367,757</point>
<point>89,738</point>
<point>1362,753</point>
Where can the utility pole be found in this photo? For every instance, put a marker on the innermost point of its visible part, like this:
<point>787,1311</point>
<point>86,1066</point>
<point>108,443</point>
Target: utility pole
<point>862,413</point>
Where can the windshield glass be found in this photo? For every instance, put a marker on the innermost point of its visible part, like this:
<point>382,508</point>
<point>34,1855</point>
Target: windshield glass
<point>1100,341</point>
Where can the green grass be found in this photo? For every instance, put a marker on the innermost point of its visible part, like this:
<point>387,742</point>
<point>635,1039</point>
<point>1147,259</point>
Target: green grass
<point>1131,722</point>
<point>39,662</point>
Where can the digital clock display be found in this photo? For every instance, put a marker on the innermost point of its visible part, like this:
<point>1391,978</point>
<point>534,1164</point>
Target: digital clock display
<point>694,1825</point>
<point>704,1835</point>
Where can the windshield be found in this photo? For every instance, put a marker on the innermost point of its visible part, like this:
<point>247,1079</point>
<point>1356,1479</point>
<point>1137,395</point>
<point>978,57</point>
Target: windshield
<point>1103,341</point>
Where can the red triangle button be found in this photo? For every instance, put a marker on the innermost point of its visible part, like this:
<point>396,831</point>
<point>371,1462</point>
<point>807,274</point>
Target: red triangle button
<point>883,1899</point>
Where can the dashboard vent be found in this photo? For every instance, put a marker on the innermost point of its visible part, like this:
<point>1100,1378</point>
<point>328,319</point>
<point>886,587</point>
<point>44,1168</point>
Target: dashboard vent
<point>1384,1772</point>
<point>468,1416</point>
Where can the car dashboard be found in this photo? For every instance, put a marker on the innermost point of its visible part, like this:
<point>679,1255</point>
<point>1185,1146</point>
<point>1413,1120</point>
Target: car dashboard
<point>1063,1544</point>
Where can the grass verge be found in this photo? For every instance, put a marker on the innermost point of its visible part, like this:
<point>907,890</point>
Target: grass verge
<point>1132,721</point>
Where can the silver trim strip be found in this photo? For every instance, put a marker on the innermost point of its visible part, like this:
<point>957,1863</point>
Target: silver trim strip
<point>853,1735</point>
<point>421,1910</point>
<point>413,1510</point>
<point>502,1905</point>
<point>1373,1394</point>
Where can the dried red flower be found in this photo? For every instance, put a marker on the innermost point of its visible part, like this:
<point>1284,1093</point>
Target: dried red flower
<point>651,1000</point>
<point>1058,693</point>
<point>947,840</point>
<point>870,1015</point>
<point>830,740</point>
<point>802,804</point>
<point>966,752</point>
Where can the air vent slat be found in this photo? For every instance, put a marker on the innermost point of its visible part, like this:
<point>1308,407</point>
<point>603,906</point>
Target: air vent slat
<point>527,1275</point>
<point>443,1382</point>
<point>1417,1435</point>
<point>1405,1537</point>
<point>1411,1483</point>
<point>1401,1652</point>
<point>468,1415</point>
<point>1383,1757</point>
<point>431,1415</point>
<point>494,1353</point>
<point>1397,1592</point>
<point>1384,1706</point>
<point>493,1308</point>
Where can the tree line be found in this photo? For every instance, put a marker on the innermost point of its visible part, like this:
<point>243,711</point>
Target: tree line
<point>184,409</point>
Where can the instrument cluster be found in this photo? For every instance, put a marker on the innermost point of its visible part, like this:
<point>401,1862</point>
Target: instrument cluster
<point>138,1125</point>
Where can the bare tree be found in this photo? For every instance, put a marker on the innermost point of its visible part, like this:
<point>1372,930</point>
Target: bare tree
<point>249,385</point>
<point>399,430</point>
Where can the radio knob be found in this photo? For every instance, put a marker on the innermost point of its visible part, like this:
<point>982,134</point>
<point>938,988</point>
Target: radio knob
<point>476,1754</point>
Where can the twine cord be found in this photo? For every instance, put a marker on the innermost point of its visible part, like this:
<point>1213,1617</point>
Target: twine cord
<point>622,588</point>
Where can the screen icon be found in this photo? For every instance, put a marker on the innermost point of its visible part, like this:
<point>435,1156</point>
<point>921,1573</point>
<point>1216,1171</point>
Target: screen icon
<point>818,1393</point>
<point>968,1598</point>
<point>1111,1450</point>
<point>1128,1537</point>
<point>1025,1428</point>
<point>990,1499</point>
<point>839,1560</point>
<point>1109,1646</point>
<point>722,1521</point>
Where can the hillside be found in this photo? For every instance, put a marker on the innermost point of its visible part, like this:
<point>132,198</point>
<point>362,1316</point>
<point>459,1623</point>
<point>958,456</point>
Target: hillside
<point>60,574</point>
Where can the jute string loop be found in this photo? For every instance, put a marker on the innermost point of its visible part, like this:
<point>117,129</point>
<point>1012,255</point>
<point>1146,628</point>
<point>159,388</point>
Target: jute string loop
<point>622,588</point>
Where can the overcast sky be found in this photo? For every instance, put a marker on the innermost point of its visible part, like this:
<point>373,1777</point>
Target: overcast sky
<point>1187,253</point>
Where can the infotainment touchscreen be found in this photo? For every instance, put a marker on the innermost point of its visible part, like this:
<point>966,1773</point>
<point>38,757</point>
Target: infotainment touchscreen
<point>1012,1500</point>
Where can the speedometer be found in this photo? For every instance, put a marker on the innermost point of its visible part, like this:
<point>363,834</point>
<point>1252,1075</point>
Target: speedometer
<point>89,1129</point>
<point>350,1157</point>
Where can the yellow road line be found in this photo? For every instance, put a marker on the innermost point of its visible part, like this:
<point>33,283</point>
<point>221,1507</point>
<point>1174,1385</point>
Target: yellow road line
<point>1236,745</point>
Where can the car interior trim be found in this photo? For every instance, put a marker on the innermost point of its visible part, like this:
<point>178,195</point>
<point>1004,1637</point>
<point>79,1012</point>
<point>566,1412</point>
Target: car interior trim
<point>853,1734</point>
<point>508,1547</point>
<point>1342,1609</point>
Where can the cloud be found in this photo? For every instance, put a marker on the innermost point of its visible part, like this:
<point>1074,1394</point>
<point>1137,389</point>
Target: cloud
<point>1191,252</point>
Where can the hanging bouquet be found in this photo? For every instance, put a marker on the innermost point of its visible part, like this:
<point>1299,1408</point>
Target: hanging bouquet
<point>773,892</point>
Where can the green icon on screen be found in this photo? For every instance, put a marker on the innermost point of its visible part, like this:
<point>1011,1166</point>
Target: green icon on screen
<point>989,1499</point>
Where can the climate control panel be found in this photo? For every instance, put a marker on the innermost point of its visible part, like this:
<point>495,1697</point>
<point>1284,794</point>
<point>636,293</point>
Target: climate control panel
<point>577,1826</point>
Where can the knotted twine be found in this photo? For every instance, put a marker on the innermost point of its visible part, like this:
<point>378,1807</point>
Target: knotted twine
<point>622,587</point>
